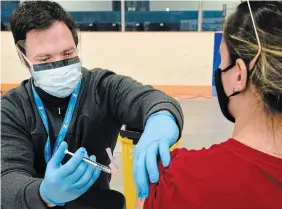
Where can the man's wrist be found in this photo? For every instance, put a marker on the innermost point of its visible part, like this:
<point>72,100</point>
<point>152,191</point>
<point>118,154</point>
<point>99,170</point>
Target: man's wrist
<point>43,196</point>
<point>161,112</point>
<point>46,202</point>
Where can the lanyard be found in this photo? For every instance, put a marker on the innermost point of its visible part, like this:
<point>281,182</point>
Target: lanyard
<point>66,122</point>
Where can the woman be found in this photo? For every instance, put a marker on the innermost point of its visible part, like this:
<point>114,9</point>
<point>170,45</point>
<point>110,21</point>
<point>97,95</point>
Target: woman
<point>244,172</point>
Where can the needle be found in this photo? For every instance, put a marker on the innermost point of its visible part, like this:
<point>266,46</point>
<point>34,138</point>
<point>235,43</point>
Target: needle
<point>98,165</point>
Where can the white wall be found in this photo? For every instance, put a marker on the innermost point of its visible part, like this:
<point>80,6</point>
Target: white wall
<point>187,5</point>
<point>90,5</point>
<point>87,5</point>
<point>155,5</point>
<point>176,58</point>
<point>231,7</point>
<point>173,5</point>
<point>213,5</point>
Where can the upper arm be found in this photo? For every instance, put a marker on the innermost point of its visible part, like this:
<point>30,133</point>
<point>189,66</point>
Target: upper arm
<point>19,187</point>
<point>182,185</point>
<point>120,92</point>
<point>131,102</point>
<point>17,149</point>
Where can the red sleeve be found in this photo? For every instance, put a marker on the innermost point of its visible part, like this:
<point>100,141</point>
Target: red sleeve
<point>181,185</point>
<point>223,176</point>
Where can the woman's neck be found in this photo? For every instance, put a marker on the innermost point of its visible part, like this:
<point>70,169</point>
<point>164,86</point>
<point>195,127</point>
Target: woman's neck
<point>260,131</point>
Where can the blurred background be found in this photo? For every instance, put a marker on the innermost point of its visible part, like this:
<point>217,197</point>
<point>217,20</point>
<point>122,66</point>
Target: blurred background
<point>143,15</point>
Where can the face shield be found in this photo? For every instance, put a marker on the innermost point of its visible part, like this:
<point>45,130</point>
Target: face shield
<point>56,70</point>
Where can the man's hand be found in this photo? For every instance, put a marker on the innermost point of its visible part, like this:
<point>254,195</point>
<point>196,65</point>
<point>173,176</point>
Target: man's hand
<point>160,133</point>
<point>64,183</point>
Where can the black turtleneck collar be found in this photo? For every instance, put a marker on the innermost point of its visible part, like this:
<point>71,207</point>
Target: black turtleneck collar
<point>50,100</point>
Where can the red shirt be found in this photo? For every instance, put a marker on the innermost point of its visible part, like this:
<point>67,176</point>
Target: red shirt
<point>230,175</point>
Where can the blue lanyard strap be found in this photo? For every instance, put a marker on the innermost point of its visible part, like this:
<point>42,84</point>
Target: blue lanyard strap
<point>66,122</point>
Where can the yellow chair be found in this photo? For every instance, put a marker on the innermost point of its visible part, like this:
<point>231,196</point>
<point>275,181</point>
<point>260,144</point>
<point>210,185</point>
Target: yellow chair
<point>129,139</point>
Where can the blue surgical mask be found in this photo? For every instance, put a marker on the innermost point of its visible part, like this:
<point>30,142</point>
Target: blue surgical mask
<point>58,78</point>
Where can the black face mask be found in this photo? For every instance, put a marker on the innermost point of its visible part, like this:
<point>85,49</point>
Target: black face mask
<point>223,99</point>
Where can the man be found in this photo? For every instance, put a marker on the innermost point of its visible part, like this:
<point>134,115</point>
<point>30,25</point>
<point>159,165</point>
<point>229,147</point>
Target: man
<point>64,106</point>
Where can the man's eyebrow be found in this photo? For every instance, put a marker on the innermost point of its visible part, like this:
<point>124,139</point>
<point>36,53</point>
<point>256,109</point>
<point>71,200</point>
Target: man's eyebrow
<point>48,55</point>
<point>69,49</point>
<point>42,55</point>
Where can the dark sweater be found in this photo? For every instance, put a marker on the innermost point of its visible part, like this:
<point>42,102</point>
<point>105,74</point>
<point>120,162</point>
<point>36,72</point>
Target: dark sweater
<point>106,101</point>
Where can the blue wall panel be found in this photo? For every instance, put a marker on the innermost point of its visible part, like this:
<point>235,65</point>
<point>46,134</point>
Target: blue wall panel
<point>216,58</point>
<point>216,54</point>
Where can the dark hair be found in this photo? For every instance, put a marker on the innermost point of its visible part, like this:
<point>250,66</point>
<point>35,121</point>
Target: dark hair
<point>39,15</point>
<point>239,35</point>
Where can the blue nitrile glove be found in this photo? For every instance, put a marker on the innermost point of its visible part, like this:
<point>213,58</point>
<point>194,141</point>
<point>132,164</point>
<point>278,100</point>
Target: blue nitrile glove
<point>64,183</point>
<point>161,132</point>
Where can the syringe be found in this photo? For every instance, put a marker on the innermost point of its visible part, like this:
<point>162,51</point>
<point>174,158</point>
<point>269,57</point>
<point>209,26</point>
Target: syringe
<point>98,165</point>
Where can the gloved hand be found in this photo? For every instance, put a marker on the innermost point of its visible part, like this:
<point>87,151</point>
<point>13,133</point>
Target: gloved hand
<point>161,132</point>
<point>64,183</point>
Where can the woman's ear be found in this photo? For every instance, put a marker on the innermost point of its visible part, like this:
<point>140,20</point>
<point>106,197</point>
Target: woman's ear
<point>241,74</point>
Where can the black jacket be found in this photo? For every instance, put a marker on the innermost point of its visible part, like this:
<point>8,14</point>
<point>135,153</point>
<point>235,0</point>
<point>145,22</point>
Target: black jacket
<point>106,101</point>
